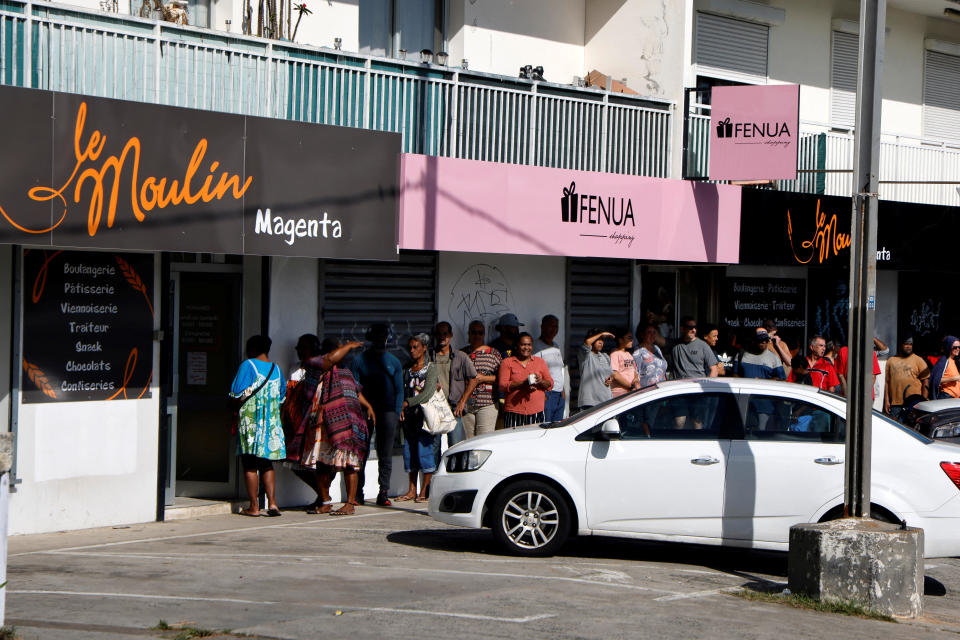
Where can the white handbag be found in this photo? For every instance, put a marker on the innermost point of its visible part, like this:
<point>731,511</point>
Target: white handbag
<point>437,416</point>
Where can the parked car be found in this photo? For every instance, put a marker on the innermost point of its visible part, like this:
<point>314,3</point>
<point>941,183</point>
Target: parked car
<point>914,412</point>
<point>943,426</point>
<point>727,462</point>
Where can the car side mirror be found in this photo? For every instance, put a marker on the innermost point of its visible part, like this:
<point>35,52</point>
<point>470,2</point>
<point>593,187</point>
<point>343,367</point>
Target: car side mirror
<point>610,430</point>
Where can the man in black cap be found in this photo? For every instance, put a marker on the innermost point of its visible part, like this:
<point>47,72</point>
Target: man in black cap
<point>509,328</point>
<point>907,374</point>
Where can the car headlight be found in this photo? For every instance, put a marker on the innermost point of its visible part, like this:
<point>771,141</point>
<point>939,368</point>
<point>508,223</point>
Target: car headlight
<point>947,431</point>
<point>466,460</point>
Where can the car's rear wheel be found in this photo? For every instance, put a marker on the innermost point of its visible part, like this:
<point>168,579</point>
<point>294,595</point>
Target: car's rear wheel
<point>531,518</point>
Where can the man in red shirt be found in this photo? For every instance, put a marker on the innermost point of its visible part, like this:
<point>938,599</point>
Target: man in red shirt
<point>822,374</point>
<point>843,358</point>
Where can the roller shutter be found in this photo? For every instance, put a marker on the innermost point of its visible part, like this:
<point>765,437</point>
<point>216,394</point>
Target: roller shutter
<point>732,47</point>
<point>941,96</point>
<point>357,293</point>
<point>843,79</point>
<point>599,295</point>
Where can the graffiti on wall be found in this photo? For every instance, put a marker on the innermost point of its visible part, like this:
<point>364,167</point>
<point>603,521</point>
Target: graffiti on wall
<point>481,292</point>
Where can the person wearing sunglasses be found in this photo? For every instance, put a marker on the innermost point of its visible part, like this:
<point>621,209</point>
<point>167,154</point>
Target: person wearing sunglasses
<point>692,357</point>
<point>477,404</point>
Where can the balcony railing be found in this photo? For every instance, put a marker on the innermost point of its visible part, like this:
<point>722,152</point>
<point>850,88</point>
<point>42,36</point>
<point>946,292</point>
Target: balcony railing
<point>831,155</point>
<point>438,110</point>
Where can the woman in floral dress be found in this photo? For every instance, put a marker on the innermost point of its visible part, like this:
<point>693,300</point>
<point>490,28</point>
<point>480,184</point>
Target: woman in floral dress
<point>260,387</point>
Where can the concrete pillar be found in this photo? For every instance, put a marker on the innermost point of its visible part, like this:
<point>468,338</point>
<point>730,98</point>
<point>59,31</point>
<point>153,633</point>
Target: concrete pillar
<point>6,462</point>
<point>874,564</point>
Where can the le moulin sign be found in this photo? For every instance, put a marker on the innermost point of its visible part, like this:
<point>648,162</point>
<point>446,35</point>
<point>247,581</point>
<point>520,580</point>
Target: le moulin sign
<point>99,173</point>
<point>449,204</point>
<point>754,132</point>
<point>801,229</point>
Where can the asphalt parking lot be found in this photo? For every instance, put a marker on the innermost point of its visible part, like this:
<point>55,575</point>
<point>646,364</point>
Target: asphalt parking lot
<point>397,573</point>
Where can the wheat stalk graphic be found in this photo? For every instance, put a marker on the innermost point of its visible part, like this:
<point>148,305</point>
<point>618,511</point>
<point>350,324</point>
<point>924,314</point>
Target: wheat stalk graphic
<point>39,378</point>
<point>133,279</point>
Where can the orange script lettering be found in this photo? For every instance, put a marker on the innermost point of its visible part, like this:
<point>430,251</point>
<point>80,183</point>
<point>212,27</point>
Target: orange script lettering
<point>146,195</point>
<point>826,241</point>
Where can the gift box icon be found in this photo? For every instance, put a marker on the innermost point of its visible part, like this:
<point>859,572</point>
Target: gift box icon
<point>725,128</point>
<point>568,203</point>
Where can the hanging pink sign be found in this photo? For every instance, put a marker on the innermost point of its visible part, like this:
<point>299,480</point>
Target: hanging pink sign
<point>754,132</point>
<point>448,204</point>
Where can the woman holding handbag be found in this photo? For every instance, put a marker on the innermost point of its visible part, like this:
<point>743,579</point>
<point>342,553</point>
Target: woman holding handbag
<point>259,388</point>
<point>420,383</point>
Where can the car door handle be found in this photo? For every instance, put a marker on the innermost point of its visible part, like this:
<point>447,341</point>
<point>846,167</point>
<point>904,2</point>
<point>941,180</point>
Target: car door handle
<point>828,460</point>
<point>704,460</point>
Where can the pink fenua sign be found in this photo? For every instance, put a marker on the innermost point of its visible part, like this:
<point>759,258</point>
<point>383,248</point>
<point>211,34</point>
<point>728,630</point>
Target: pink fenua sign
<point>448,204</point>
<point>754,132</point>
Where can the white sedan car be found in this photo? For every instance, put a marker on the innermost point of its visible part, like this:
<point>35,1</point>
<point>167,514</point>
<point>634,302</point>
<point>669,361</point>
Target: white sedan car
<point>728,462</point>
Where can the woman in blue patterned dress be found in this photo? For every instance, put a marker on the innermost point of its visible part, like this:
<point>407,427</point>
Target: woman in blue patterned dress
<point>260,386</point>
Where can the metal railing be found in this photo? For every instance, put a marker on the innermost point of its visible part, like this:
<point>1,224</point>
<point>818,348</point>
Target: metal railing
<point>831,155</point>
<point>438,110</point>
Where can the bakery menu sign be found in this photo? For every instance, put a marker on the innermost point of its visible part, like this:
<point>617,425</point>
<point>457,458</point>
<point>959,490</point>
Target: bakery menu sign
<point>748,302</point>
<point>87,326</point>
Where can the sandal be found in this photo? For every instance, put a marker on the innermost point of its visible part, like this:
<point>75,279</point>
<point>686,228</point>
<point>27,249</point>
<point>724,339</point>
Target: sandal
<point>419,499</point>
<point>273,512</point>
<point>323,507</point>
<point>248,513</point>
<point>404,498</point>
<point>342,511</point>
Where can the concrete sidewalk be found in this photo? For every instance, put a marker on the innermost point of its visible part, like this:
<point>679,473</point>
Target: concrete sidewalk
<point>396,573</point>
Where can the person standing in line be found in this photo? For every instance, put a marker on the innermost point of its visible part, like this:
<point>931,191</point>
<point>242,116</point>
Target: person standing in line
<point>624,369</point>
<point>757,361</point>
<point>381,376</point>
<point>455,371</point>
<point>777,345</point>
<point>477,405</point>
<point>822,373</point>
<point>524,379</point>
<point>595,370</point>
<point>840,364</point>
<point>945,377</point>
<point>420,383</point>
<point>651,364</point>
<point>907,374</point>
<point>344,441</point>
<point>260,387</point>
<point>800,371</point>
<point>711,335</point>
<point>692,357</point>
<point>509,328</point>
<point>544,347</point>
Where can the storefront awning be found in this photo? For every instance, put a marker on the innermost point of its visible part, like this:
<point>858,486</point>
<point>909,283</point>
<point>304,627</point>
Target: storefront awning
<point>98,173</point>
<point>449,204</point>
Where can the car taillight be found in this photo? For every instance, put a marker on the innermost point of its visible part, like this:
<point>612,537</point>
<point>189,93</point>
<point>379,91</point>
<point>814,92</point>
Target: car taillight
<point>952,469</point>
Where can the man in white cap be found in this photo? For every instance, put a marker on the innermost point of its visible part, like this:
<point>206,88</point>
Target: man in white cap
<point>509,328</point>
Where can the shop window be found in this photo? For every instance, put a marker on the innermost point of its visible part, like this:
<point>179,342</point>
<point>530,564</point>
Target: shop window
<point>389,26</point>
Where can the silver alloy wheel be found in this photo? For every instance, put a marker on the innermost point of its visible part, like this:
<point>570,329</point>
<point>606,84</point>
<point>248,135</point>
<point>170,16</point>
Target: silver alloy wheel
<point>530,519</point>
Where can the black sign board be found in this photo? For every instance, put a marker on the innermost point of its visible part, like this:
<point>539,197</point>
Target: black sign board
<point>801,229</point>
<point>87,326</point>
<point>101,173</point>
<point>748,302</point>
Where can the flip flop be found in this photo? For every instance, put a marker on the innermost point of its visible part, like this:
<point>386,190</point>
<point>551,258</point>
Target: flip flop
<point>421,499</point>
<point>320,509</point>
<point>341,512</point>
<point>273,513</point>
<point>245,512</point>
<point>404,498</point>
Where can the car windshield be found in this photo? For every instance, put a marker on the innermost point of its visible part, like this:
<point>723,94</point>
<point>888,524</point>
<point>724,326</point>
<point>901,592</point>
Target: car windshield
<point>595,408</point>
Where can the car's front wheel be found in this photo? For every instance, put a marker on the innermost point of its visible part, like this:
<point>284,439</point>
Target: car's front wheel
<point>531,518</point>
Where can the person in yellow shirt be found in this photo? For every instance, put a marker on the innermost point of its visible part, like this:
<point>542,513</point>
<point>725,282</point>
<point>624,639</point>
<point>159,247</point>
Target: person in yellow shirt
<point>907,374</point>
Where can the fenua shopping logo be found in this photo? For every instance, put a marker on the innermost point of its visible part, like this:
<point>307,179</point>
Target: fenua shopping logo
<point>754,132</point>
<point>599,209</point>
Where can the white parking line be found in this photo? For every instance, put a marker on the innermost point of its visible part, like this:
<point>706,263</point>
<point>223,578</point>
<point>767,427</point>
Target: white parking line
<point>142,596</point>
<point>420,612</point>
<point>696,594</point>
<point>205,533</point>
